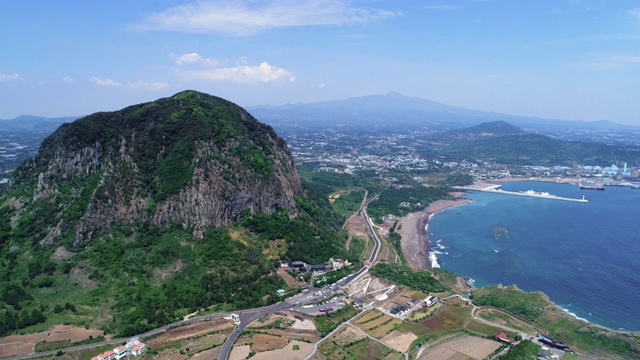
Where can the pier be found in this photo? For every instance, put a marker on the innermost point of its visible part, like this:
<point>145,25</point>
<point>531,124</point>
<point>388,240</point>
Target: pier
<point>493,188</point>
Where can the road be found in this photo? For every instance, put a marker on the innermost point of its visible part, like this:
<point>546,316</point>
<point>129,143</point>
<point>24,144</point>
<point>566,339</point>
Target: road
<point>116,341</point>
<point>246,316</point>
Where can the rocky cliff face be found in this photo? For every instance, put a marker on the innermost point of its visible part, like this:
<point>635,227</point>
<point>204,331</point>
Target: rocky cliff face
<point>192,160</point>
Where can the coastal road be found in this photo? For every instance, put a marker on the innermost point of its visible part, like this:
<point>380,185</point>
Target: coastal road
<point>247,316</point>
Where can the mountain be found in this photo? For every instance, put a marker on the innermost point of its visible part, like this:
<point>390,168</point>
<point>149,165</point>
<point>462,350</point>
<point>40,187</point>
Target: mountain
<point>34,123</point>
<point>190,158</point>
<point>494,128</point>
<point>504,143</point>
<point>126,220</point>
<point>395,109</point>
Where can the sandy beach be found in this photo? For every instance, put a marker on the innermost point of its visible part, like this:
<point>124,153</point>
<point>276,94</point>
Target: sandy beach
<point>414,237</point>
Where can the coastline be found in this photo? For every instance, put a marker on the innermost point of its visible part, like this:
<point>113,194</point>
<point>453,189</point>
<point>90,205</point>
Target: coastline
<point>413,231</point>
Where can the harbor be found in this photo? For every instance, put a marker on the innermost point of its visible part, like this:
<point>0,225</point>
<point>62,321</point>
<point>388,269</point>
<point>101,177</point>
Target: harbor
<point>495,188</point>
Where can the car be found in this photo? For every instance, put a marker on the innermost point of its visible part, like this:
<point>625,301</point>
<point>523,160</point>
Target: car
<point>324,310</point>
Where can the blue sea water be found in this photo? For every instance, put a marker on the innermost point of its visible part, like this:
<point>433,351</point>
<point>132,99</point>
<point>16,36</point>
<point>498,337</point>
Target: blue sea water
<point>584,256</point>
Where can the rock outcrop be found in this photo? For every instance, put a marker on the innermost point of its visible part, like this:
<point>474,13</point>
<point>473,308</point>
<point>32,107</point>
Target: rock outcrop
<point>192,160</point>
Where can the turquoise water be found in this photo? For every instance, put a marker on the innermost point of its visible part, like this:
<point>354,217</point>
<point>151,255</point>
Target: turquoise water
<point>584,256</point>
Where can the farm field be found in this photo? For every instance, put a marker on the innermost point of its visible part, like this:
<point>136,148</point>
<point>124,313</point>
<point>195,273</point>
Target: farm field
<point>377,324</point>
<point>15,345</point>
<point>399,340</point>
<point>178,334</point>
<point>350,343</point>
<point>461,348</point>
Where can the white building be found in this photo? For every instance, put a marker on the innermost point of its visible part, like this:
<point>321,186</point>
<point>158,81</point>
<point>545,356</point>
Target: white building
<point>139,349</point>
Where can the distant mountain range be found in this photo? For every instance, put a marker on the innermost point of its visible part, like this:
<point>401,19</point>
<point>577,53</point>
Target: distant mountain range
<point>395,109</point>
<point>31,123</point>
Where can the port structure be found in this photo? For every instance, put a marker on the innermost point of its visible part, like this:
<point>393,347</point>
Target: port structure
<point>495,189</point>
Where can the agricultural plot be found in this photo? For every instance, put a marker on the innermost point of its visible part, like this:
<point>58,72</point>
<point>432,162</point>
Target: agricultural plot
<point>178,334</point>
<point>265,342</point>
<point>347,335</point>
<point>461,348</point>
<point>451,317</point>
<point>14,345</point>
<point>368,316</point>
<point>295,350</point>
<point>385,328</point>
<point>364,349</point>
<point>377,322</point>
<point>400,341</point>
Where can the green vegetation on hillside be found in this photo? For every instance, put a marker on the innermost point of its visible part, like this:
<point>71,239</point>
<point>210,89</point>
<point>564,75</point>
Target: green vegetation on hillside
<point>403,275</point>
<point>575,333</point>
<point>528,305</point>
<point>152,276</point>
<point>146,268</point>
<point>404,200</point>
<point>533,149</point>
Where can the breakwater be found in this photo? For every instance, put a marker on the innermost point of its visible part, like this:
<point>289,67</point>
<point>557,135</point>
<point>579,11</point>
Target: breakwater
<point>495,189</point>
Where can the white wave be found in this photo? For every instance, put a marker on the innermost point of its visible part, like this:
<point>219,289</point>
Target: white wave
<point>496,250</point>
<point>574,315</point>
<point>470,282</point>
<point>433,259</point>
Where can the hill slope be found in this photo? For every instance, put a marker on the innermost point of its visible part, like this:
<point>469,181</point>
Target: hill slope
<point>190,158</point>
<point>128,220</point>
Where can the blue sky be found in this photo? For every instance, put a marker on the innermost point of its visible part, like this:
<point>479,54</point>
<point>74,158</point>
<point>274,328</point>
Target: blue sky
<point>552,59</point>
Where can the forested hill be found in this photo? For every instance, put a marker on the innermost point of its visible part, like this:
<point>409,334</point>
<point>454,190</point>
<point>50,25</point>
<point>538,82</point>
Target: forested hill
<point>494,128</point>
<point>504,143</point>
<point>128,219</point>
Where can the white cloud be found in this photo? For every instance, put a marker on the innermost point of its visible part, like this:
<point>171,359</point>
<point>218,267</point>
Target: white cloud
<point>105,82</point>
<point>248,17</point>
<point>188,58</point>
<point>10,77</point>
<point>156,85</point>
<point>192,59</point>
<point>318,86</point>
<point>442,7</point>
<point>136,85</point>
<point>610,62</point>
<point>635,13</point>
<point>242,74</point>
<point>68,79</point>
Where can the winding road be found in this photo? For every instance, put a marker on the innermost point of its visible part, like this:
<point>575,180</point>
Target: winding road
<point>246,316</point>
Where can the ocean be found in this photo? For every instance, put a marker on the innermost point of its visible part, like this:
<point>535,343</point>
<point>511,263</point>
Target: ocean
<point>584,256</point>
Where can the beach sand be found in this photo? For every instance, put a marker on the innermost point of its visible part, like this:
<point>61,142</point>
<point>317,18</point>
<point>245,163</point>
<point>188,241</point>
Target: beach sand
<point>414,237</point>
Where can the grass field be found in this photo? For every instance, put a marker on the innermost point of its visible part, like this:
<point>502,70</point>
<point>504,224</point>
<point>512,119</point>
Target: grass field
<point>483,329</point>
<point>499,317</point>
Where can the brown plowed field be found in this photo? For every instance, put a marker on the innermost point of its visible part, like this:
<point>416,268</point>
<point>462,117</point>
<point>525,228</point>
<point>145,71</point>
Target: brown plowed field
<point>265,342</point>
<point>174,335</point>
<point>15,345</point>
<point>400,341</point>
<point>347,336</point>
<point>462,348</point>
